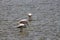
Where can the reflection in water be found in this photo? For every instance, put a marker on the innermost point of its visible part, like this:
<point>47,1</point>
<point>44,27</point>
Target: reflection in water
<point>24,33</point>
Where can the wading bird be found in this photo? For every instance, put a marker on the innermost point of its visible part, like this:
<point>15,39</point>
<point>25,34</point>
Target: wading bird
<point>24,22</point>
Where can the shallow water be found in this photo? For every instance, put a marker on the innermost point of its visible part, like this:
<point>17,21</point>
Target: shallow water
<point>45,24</point>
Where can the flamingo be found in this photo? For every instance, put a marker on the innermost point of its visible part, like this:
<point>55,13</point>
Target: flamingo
<point>23,22</point>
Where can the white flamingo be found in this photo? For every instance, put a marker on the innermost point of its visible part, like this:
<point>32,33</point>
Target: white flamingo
<point>25,21</point>
<point>22,23</point>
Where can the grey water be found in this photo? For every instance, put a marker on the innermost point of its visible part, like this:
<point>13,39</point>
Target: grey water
<point>45,24</point>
